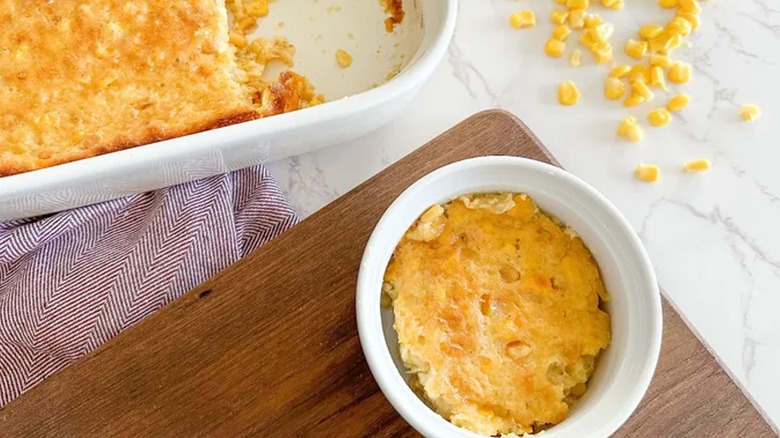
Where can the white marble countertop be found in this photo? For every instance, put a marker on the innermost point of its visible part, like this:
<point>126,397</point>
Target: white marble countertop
<point>713,237</point>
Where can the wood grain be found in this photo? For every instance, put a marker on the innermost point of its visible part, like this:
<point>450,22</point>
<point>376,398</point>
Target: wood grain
<point>269,346</point>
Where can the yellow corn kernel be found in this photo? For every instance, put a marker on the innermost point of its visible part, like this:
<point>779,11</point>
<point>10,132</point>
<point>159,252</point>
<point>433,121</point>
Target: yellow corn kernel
<point>256,8</point>
<point>577,18</point>
<point>700,165</point>
<point>602,51</point>
<point>612,4</point>
<point>689,6</point>
<point>603,31</point>
<point>246,23</point>
<point>657,77</point>
<point>343,58</point>
<point>575,59</point>
<point>668,4</point>
<point>658,60</point>
<point>587,38</point>
<point>647,172</point>
<point>636,49</point>
<point>554,48</point>
<point>633,100</point>
<point>680,72</point>
<point>560,2</point>
<point>679,25</point>
<point>558,16</point>
<point>523,19</point>
<point>639,88</point>
<point>678,102</point>
<point>561,33</point>
<point>237,39</point>
<point>592,20</point>
<point>650,31</point>
<point>750,112</point>
<point>675,39</point>
<point>630,130</point>
<point>577,4</point>
<point>619,71</point>
<point>659,43</point>
<point>639,73</point>
<point>659,117</point>
<point>693,19</point>
<point>614,88</point>
<point>567,93</point>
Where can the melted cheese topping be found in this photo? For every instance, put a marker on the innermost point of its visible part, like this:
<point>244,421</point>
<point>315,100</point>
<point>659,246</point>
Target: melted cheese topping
<point>497,310</point>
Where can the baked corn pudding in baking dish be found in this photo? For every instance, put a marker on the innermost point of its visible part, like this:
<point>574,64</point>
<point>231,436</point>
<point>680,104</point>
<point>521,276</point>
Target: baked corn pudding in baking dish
<point>79,78</point>
<point>498,312</point>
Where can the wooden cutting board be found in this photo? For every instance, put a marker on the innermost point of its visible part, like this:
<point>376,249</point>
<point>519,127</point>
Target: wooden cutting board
<point>269,346</point>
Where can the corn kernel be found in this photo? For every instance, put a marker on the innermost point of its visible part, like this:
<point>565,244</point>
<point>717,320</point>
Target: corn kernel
<point>639,88</point>
<point>679,25</point>
<point>603,31</point>
<point>650,31</point>
<point>577,18</point>
<point>639,73</point>
<point>560,2</point>
<point>689,6</point>
<point>700,165</point>
<point>674,41</point>
<point>657,77</point>
<point>633,100</point>
<point>592,20</point>
<point>554,48</point>
<point>636,49</point>
<point>614,88</point>
<point>612,4</point>
<point>577,4</point>
<point>558,16</point>
<point>678,102</point>
<point>630,130</point>
<point>575,59</point>
<point>680,72</point>
<point>343,58</point>
<point>602,51</point>
<point>567,93</point>
<point>587,38</point>
<point>256,8</point>
<point>660,43</point>
<point>561,33</point>
<point>619,71</point>
<point>647,172</point>
<point>693,19</point>
<point>659,60</point>
<point>668,4</point>
<point>750,112</point>
<point>237,39</point>
<point>659,117</point>
<point>522,19</point>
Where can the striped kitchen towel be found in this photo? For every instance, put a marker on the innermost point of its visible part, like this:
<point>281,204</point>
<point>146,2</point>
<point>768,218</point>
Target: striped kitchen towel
<point>71,281</point>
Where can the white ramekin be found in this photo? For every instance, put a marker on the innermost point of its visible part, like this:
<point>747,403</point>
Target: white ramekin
<point>626,367</point>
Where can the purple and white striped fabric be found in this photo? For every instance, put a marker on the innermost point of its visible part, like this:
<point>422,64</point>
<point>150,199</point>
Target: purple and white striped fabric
<point>71,281</point>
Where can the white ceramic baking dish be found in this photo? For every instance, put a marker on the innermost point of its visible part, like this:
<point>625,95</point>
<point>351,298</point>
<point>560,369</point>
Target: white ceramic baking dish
<point>360,99</point>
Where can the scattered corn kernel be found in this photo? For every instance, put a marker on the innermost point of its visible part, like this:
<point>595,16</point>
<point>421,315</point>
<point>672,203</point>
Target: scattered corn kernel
<point>619,71</point>
<point>577,4</point>
<point>650,31</point>
<point>700,165</point>
<point>523,19</point>
<point>663,61</point>
<point>554,48</point>
<point>659,117</point>
<point>603,31</point>
<point>560,2</point>
<point>630,130</point>
<point>679,25</point>
<point>657,77</point>
<point>691,18</point>
<point>678,102</point>
<point>575,59</point>
<point>668,4</point>
<point>567,93</point>
<point>587,38</point>
<point>343,58</point>
<point>237,39</point>
<point>680,72</point>
<point>750,112</point>
<point>614,88</point>
<point>602,51</point>
<point>256,8</point>
<point>561,33</point>
<point>636,49</point>
<point>639,88</point>
<point>613,4</point>
<point>689,6</point>
<point>577,18</point>
<point>633,100</point>
<point>558,16</point>
<point>674,41</point>
<point>647,172</point>
<point>639,72</point>
<point>593,20</point>
<point>660,43</point>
